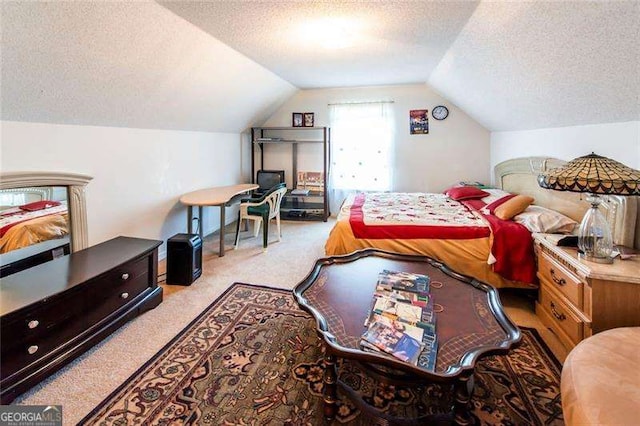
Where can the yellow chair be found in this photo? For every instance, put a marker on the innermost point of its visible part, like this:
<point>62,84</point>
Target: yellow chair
<point>261,210</point>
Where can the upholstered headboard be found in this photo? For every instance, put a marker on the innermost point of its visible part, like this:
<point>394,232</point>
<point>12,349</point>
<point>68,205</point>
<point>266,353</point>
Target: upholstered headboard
<point>12,197</point>
<point>519,176</point>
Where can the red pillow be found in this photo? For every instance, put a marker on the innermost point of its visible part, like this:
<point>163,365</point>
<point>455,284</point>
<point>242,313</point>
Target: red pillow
<point>465,193</point>
<point>39,205</point>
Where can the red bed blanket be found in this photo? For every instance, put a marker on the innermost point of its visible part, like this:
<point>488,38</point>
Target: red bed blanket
<point>435,216</point>
<point>512,247</point>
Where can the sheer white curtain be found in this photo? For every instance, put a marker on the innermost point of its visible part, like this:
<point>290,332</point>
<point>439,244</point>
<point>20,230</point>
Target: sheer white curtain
<point>361,148</point>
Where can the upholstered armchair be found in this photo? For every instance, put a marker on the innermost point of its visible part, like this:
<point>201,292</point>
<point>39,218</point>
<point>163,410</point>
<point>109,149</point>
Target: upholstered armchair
<point>262,210</point>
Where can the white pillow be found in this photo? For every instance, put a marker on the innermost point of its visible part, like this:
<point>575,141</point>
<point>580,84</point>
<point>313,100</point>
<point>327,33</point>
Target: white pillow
<point>541,219</point>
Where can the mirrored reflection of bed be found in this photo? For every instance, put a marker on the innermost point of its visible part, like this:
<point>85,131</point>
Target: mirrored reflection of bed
<point>30,216</point>
<point>36,212</point>
<point>466,235</point>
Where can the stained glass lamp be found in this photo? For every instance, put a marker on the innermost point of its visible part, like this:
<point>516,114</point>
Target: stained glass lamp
<point>595,175</point>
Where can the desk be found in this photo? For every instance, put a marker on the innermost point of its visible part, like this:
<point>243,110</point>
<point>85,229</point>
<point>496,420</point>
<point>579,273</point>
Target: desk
<point>221,196</point>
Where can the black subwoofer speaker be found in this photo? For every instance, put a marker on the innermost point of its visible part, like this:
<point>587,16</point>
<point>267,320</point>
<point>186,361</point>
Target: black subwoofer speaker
<point>184,259</point>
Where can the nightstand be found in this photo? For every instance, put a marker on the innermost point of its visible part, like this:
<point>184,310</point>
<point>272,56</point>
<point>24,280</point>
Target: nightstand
<point>579,298</point>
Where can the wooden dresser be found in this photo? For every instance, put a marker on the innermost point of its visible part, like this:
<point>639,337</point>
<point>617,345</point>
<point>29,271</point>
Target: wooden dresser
<point>55,311</point>
<point>579,298</point>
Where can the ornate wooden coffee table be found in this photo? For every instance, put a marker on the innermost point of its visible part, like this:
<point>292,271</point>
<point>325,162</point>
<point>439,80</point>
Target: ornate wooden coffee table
<point>472,324</point>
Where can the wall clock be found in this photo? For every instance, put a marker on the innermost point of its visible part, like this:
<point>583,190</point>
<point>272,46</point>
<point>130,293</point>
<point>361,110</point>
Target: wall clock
<point>440,112</point>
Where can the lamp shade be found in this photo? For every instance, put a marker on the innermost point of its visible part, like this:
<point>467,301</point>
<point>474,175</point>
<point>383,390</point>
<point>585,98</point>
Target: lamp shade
<point>594,174</point>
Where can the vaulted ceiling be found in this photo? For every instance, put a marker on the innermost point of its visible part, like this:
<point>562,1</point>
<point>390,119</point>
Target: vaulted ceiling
<point>534,64</point>
<point>127,64</point>
<point>222,65</point>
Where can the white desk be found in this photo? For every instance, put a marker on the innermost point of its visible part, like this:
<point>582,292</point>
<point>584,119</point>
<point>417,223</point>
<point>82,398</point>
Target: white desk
<point>221,196</point>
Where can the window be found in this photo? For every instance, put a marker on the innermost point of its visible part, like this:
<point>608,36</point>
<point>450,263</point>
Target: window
<point>362,146</point>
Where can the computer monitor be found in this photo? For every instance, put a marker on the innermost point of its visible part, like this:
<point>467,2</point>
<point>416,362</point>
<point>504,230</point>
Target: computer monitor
<point>267,179</point>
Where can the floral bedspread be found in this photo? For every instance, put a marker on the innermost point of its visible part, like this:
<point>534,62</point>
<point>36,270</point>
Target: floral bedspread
<point>384,208</point>
<point>14,216</point>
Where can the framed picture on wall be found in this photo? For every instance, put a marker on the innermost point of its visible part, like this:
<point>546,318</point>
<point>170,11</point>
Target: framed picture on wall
<point>297,119</point>
<point>308,119</point>
<point>419,121</point>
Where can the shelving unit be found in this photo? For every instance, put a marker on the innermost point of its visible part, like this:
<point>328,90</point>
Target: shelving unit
<point>315,205</point>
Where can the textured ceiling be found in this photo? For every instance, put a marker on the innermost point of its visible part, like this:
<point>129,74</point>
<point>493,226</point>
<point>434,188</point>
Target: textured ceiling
<point>127,64</point>
<point>511,65</point>
<point>225,65</point>
<point>527,65</point>
<point>395,42</point>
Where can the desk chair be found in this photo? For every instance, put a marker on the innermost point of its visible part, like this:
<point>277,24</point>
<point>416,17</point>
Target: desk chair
<point>261,210</point>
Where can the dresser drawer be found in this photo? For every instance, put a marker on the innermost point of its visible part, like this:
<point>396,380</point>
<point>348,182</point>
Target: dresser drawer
<point>40,320</point>
<point>110,293</point>
<point>562,317</point>
<point>557,276</point>
<point>28,351</point>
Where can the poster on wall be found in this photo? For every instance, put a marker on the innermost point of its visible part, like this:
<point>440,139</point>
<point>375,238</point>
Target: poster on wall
<point>419,121</point>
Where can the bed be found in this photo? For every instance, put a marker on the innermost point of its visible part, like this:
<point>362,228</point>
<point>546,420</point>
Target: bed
<point>464,234</point>
<point>29,216</point>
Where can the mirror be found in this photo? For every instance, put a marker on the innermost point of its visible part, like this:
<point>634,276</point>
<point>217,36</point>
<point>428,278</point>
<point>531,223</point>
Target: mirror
<point>42,216</point>
<point>36,216</point>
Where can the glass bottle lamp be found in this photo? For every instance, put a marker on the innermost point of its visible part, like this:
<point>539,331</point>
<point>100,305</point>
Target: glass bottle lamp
<point>594,237</point>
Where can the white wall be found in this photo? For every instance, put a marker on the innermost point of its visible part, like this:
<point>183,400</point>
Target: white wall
<point>619,141</point>
<point>138,174</point>
<point>455,149</point>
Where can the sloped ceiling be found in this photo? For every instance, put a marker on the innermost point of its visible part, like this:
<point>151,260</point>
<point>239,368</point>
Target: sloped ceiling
<point>512,65</point>
<point>394,42</point>
<point>127,64</point>
<point>528,65</point>
<point>223,65</point>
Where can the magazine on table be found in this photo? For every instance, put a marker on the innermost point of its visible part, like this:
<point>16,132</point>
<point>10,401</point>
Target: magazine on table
<point>423,340</point>
<point>429,354</point>
<point>402,311</point>
<point>419,298</point>
<point>404,281</point>
<point>416,315</point>
<point>389,337</point>
<point>413,307</point>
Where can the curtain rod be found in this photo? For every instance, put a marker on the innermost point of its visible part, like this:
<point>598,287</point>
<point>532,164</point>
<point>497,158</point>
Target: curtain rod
<point>357,103</point>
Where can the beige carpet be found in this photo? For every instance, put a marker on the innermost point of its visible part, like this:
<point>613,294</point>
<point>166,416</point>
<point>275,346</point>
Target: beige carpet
<point>261,364</point>
<point>83,384</point>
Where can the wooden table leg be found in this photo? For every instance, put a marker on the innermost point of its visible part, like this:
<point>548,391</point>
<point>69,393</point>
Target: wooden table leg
<point>330,387</point>
<point>222,220</point>
<point>463,389</point>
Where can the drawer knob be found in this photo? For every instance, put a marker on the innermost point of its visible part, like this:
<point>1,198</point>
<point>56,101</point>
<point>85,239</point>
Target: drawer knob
<point>124,296</point>
<point>33,323</point>
<point>125,277</point>
<point>32,349</point>
<point>559,316</point>
<point>559,281</point>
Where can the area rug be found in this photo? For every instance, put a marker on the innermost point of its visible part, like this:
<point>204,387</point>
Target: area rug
<point>253,358</point>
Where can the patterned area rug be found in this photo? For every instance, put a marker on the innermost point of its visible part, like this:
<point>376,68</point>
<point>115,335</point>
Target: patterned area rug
<point>253,357</point>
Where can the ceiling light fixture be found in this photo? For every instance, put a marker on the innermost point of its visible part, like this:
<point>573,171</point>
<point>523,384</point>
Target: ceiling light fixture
<point>330,33</point>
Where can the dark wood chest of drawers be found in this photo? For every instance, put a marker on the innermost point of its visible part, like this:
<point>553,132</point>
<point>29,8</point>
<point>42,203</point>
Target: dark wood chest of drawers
<point>54,312</point>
